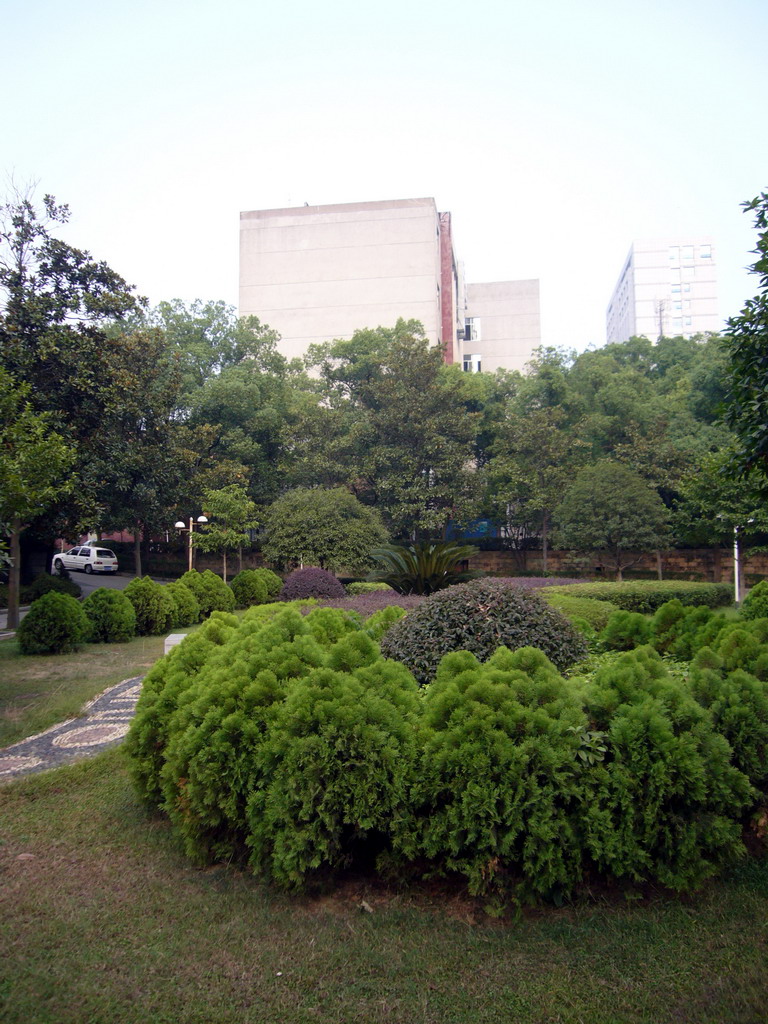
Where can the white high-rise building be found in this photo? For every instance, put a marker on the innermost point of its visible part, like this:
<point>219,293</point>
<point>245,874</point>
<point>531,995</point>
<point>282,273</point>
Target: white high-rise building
<point>667,287</point>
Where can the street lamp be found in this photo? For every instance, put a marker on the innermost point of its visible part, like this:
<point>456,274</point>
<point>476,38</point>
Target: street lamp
<point>181,525</point>
<point>736,565</point>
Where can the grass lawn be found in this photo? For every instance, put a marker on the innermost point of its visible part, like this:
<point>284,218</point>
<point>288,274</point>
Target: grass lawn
<point>37,691</point>
<point>105,922</point>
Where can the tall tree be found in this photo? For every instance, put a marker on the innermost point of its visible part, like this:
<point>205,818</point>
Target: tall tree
<point>34,464</point>
<point>231,515</point>
<point>612,512</point>
<point>746,343</point>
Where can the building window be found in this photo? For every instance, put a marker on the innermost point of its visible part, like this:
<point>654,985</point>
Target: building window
<point>674,253</point>
<point>472,328</point>
<point>675,288</point>
<point>705,252</point>
<point>472,362</point>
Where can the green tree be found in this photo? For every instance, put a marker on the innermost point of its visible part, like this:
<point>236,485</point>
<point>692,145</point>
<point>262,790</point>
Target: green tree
<point>415,438</point>
<point>746,343</point>
<point>328,528</point>
<point>231,515</point>
<point>611,511</point>
<point>34,465</point>
<point>534,457</point>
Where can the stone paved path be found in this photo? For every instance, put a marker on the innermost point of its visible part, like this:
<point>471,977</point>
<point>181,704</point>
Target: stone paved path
<point>104,723</point>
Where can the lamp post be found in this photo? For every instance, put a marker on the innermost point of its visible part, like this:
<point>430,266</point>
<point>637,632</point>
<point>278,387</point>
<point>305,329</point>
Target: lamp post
<point>181,525</point>
<point>736,561</point>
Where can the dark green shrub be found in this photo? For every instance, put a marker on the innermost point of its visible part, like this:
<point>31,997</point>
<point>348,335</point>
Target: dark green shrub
<point>596,613</point>
<point>666,799</point>
<point>210,590</point>
<point>45,583</point>
<point>625,631</point>
<point>647,595</point>
<point>186,610</point>
<point>500,783</point>
<point>153,606</point>
<point>55,624</point>
<point>480,617</point>
<point>111,617</point>
<point>679,631</point>
<point>755,604</point>
<point>249,588</point>
<point>310,582</point>
<point>423,568</point>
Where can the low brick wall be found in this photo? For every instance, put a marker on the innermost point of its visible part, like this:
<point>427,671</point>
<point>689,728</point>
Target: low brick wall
<point>714,565</point>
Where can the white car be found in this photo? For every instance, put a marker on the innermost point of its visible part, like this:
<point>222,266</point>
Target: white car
<point>86,559</point>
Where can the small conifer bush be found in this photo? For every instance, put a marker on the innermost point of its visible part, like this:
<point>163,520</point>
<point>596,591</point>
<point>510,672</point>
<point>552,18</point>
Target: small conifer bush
<point>153,606</point>
<point>249,588</point>
<point>311,582</point>
<point>480,617</point>
<point>55,624</point>
<point>186,610</point>
<point>626,630</point>
<point>212,593</point>
<point>272,582</point>
<point>111,617</point>
<point>755,604</point>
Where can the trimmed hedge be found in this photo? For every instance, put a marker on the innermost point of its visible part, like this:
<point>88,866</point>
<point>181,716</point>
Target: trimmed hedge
<point>210,590</point>
<point>186,610</point>
<point>248,588</point>
<point>154,607</point>
<point>648,595</point>
<point>111,617</point>
<point>596,613</point>
<point>481,616</point>
<point>287,742</point>
<point>55,624</point>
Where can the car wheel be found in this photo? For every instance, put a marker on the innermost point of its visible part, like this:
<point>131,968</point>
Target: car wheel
<point>58,565</point>
<point>88,569</point>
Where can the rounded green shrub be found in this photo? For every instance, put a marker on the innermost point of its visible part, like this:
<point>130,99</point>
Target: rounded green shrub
<point>679,630</point>
<point>55,624</point>
<point>310,582</point>
<point>626,630</point>
<point>500,785</point>
<point>186,610</point>
<point>665,799</point>
<point>361,587</point>
<point>154,608</point>
<point>755,604</point>
<point>249,588</point>
<point>480,616</point>
<point>271,581</point>
<point>212,593</point>
<point>111,617</point>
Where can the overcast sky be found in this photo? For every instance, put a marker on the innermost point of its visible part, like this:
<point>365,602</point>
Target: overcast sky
<point>554,131</point>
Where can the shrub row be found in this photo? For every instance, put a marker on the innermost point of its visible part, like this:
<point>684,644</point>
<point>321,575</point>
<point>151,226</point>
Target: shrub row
<point>143,608</point>
<point>42,584</point>
<point>648,595</point>
<point>289,743</point>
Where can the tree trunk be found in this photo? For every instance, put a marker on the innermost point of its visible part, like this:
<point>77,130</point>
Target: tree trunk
<point>659,567</point>
<point>137,551</point>
<point>225,565</point>
<point>240,558</point>
<point>544,526</point>
<point>14,575</point>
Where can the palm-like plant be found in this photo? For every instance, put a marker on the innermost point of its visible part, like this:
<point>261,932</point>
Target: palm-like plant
<point>424,567</point>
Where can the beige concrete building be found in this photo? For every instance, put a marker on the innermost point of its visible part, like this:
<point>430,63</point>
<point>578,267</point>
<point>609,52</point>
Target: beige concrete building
<point>315,273</point>
<point>666,287</point>
<point>503,325</point>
